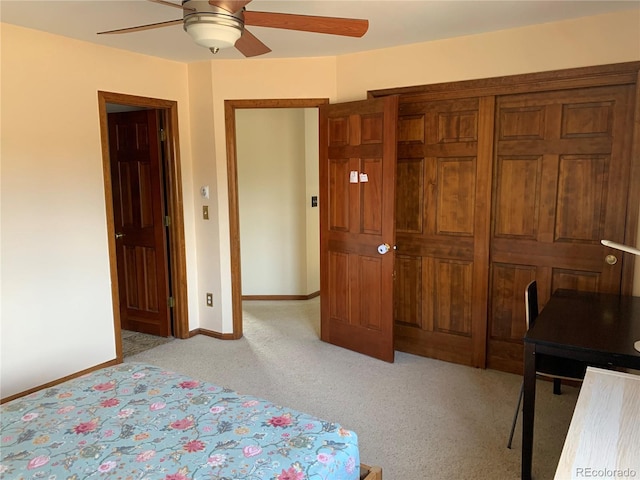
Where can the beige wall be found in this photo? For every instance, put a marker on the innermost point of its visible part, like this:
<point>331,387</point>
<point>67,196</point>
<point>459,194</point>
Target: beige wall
<point>252,79</point>
<point>207,232</point>
<point>272,192</point>
<point>55,291</point>
<point>56,316</point>
<point>312,214</point>
<point>597,40</point>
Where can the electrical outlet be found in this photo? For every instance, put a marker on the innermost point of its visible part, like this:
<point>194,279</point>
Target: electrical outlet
<point>209,299</point>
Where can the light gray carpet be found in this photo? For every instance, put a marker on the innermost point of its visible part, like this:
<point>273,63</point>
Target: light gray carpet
<point>417,418</point>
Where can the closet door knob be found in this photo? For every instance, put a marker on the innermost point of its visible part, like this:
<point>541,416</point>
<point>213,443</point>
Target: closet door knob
<point>611,259</point>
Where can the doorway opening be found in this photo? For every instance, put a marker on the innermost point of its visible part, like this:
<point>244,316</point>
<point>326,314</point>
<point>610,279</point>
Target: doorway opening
<point>232,177</point>
<point>171,235</point>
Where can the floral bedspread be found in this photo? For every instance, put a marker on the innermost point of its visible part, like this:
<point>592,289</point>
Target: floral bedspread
<point>136,421</point>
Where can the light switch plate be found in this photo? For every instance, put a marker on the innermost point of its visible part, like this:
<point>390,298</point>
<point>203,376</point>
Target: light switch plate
<point>205,212</point>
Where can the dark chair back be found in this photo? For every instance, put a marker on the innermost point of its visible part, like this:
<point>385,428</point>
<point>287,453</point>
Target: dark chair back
<point>531,303</point>
<point>554,367</point>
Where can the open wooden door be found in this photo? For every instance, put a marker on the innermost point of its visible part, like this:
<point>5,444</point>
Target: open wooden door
<point>138,208</point>
<point>357,224</point>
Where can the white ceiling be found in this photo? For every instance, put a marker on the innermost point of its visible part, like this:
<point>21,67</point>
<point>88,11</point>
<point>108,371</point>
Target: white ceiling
<point>391,22</point>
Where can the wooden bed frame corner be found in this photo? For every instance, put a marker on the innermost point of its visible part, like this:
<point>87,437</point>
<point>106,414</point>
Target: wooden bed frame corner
<point>370,473</point>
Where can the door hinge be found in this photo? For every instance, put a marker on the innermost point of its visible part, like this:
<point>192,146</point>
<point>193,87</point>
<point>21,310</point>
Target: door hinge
<point>171,302</point>
<point>163,135</point>
<point>167,220</point>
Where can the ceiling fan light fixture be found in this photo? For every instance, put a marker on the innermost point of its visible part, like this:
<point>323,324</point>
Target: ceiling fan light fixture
<point>218,24</point>
<point>212,31</point>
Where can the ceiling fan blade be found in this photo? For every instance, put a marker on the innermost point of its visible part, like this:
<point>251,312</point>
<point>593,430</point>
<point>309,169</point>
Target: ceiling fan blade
<point>143,27</point>
<point>231,6</point>
<point>250,46</point>
<point>350,27</point>
<point>175,5</point>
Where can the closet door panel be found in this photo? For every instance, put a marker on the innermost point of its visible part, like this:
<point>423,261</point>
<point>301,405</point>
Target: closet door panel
<point>442,219</point>
<point>561,185</point>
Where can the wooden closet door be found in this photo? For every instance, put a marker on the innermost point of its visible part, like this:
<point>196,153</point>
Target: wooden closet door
<point>561,185</point>
<point>442,228</point>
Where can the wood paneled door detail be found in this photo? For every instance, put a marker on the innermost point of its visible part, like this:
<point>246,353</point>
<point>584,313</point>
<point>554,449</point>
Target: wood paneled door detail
<point>561,183</point>
<point>141,253</point>
<point>357,200</point>
<point>505,180</point>
<point>442,225</point>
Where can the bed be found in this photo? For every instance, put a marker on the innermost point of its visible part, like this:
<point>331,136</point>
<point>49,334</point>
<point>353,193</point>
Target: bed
<point>138,421</point>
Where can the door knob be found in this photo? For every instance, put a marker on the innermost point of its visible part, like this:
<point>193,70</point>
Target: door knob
<point>119,235</point>
<point>383,248</point>
<point>611,259</point>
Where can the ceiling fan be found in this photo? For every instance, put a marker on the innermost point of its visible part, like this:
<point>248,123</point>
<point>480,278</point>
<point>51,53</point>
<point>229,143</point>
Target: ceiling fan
<point>217,24</point>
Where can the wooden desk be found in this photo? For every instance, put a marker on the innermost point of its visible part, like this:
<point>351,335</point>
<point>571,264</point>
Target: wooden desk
<point>604,436</point>
<point>599,329</point>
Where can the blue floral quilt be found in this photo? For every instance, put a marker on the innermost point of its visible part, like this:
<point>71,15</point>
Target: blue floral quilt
<point>140,422</point>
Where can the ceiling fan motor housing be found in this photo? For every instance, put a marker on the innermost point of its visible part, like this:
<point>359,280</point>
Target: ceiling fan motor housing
<point>212,27</point>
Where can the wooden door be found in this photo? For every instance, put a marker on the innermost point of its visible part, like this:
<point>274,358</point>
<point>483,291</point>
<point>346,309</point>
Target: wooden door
<point>442,220</point>
<point>136,176</point>
<point>357,200</point>
<point>561,185</point>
